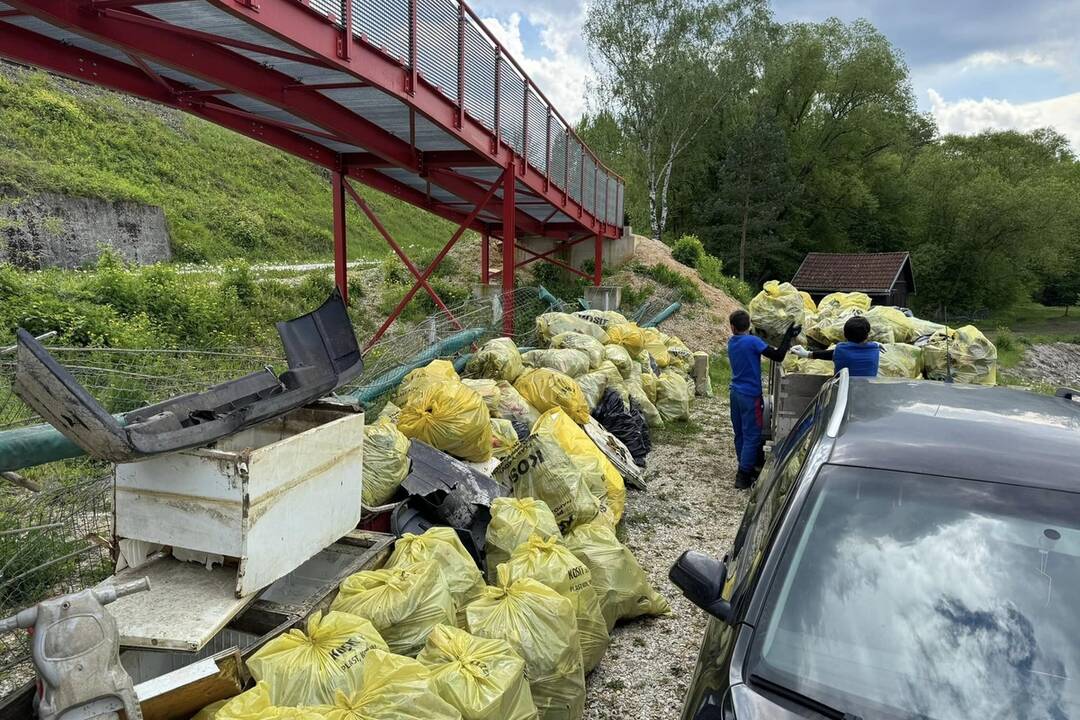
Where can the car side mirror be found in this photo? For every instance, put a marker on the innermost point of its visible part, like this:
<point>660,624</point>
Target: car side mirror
<point>701,579</point>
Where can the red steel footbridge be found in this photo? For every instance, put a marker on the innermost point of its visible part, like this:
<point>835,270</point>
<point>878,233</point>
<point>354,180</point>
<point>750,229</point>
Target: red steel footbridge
<point>415,98</point>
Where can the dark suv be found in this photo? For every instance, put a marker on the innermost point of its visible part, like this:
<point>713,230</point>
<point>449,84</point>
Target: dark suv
<point>912,550</point>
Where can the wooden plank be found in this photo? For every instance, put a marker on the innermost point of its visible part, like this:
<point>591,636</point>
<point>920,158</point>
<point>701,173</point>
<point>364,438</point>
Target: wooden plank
<point>186,606</point>
<point>182,693</point>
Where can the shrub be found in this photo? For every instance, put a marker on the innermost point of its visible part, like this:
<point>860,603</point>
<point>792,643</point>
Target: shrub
<point>711,270</point>
<point>394,272</point>
<point>238,278</point>
<point>688,250</point>
<point>666,276</point>
<point>1005,340</point>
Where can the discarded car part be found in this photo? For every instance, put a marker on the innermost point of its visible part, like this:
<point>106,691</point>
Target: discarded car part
<point>76,652</point>
<point>615,451</point>
<point>451,493</point>
<point>322,353</point>
<point>271,496</point>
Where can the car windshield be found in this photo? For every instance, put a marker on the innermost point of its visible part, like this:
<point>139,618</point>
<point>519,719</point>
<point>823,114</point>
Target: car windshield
<point>908,596</point>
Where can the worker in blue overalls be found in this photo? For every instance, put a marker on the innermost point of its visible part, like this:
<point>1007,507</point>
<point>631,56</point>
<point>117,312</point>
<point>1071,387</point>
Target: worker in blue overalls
<point>856,354</point>
<point>747,405</point>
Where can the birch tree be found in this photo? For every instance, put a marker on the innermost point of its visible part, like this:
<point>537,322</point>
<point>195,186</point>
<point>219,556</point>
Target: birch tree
<point>665,69</point>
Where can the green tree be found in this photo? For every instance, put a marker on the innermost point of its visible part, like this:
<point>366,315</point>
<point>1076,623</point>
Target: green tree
<point>665,69</point>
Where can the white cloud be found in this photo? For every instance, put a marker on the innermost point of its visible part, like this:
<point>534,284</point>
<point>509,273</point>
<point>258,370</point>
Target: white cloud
<point>968,116</point>
<point>562,71</point>
<point>994,58</point>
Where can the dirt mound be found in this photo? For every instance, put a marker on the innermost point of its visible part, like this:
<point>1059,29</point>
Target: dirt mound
<point>1056,364</point>
<point>701,325</point>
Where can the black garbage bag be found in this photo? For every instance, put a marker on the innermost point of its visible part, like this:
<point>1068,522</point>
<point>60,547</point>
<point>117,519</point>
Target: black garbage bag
<point>627,425</point>
<point>522,429</point>
<point>639,416</point>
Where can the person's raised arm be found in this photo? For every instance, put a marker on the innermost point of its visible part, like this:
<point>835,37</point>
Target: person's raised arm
<point>779,353</point>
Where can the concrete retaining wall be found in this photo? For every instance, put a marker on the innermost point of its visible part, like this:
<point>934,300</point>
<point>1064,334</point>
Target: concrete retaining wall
<point>617,251</point>
<point>50,230</point>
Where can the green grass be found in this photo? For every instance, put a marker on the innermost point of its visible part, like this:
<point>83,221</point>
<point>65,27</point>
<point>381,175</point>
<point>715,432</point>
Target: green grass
<point>676,433</point>
<point>1026,324</point>
<point>223,195</point>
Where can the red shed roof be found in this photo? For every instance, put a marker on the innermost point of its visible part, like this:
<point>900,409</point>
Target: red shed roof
<point>866,272</point>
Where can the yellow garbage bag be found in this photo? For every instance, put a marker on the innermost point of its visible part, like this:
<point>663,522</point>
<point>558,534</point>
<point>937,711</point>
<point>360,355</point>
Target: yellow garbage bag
<point>210,711</point>
<point>435,372</point>
<point>614,377</point>
<point>968,356</point>
<point>488,390</point>
<point>497,359</point>
<point>682,358</point>
<point>583,451</point>
<point>620,358</point>
<point>513,521</point>
<point>593,386</point>
<point>450,417</point>
<point>504,437</point>
<point>386,461</point>
<point>403,603</point>
<point>807,366</point>
<point>255,704</point>
<point>513,406</point>
<point>648,384</point>
<point>585,343</point>
<point>603,318</point>
<point>648,408</point>
<point>828,329</point>
<point>618,581</point>
<point>540,626</point>
<point>442,546</point>
<point>925,328</point>
<point>567,361</point>
<point>481,678</point>
<point>539,467</point>
<point>894,321</point>
<point>656,346</point>
<point>551,324</point>
<point>627,335</point>
<point>544,389</point>
<point>899,360</point>
<point>775,308</point>
<point>673,396</point>
<point>392,688</point>
<point>307,668</point>
<point>548,561</point>
<point>808,302</point>
<point>390,411</point>
<point>840,301</point>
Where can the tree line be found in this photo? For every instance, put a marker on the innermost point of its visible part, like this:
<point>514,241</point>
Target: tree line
<point>769,140</point>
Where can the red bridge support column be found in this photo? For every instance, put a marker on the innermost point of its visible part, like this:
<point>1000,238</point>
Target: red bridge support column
<point>341,267</point>
<point>509,258</point>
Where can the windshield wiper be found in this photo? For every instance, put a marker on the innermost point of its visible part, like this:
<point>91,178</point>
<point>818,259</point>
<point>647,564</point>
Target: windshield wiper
<point>804,700</point>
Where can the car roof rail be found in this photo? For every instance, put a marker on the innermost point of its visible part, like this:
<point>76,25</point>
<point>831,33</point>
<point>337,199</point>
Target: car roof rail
<point>843,380</point>
<point>1068,394</point>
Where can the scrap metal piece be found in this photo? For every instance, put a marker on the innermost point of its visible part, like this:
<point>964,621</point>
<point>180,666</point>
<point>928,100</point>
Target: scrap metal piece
<point>447,491</point>
<point>321,350</point>
<point>617,452</point>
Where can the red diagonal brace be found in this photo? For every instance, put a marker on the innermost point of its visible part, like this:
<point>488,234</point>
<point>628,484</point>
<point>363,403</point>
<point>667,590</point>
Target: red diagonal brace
<point>545,255</point>
<point>553,261</point>
<point>422,280</point>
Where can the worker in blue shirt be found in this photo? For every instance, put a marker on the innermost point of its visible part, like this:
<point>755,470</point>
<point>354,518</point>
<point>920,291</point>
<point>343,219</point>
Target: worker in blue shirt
<point>744,355</point>
<point>855,353</point>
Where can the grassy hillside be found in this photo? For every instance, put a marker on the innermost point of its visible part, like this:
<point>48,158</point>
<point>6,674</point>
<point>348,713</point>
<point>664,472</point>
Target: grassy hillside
<point>224,196</point>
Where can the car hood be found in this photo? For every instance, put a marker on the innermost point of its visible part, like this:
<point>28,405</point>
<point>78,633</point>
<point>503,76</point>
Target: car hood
<point>749,704</point>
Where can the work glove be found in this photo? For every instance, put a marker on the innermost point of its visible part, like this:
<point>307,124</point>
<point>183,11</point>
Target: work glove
<point>800,352</point>
<point>792,332</point>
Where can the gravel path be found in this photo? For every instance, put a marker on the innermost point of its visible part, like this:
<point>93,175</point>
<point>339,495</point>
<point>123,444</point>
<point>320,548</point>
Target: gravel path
<point>1055,364</point>
<point>690,504</point>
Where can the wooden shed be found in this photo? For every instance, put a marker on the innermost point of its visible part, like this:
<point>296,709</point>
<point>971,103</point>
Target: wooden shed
<point>886,277</point>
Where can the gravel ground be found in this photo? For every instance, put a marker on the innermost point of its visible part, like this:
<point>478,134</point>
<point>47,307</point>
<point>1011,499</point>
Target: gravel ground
<point>690,504</point>
<point>1055,364</point>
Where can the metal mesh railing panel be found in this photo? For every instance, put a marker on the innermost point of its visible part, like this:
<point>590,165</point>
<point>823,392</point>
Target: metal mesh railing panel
<point>437,44</point>
<point>558,154</point>
<point>386,24</point>
<point>589,187</point>
<point>575,169</point>
<point>480,60</point>
<point>511,106</point>
<point>538,115</point>
<point>330,8</point>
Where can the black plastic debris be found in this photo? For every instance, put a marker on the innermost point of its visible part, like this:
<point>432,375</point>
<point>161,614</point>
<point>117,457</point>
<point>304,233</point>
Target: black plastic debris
<point>521,428</point>
<point>627,425</point>
<point>445,491</point>
<point>321,350</point>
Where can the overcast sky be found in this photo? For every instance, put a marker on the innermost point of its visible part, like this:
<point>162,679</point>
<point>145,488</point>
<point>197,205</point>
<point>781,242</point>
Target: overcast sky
<point>975,64</point>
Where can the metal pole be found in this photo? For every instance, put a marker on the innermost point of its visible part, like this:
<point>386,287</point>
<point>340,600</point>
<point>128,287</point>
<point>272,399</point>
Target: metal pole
<point>412,47</point>
<point>341,268</point>
<point>509,258</point>
<point>345,41</point>
<point>498,110</point>
<point>485,259</point>
<point>461,67</point>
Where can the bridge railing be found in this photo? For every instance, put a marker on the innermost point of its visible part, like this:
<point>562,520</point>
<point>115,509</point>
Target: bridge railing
<point>445,43</point>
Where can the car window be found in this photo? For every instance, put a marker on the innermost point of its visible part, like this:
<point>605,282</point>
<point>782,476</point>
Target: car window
<point>766,501</point>
<point>909,596</point>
